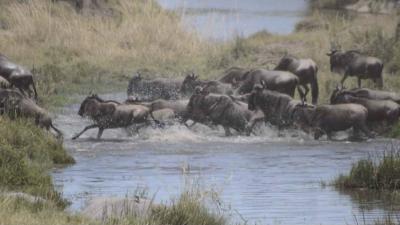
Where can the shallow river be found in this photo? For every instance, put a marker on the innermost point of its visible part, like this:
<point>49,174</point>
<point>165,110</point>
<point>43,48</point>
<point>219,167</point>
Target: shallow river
<point>266,179</point>
<point>224,19</point>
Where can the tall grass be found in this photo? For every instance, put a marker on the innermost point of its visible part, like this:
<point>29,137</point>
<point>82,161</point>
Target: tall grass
<point>379,174</point>
<point>26,154</point>
<point>140,34</point>
<point>190,209</point>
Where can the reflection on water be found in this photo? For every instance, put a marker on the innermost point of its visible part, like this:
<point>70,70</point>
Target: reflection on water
<point>267,179</point>
<point>223,19</point>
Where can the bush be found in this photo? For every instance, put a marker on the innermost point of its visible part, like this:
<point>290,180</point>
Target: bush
<point>190,209</point>
<point>368,174</point>
<point>26,154</point>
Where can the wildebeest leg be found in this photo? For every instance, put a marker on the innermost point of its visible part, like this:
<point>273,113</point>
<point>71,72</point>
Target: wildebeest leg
<point>359,81</point>
<point>227,131</point>
<point>101,129</point>
<point>59,133</point>
<point>301,93</point>
<point>318,132</point>
<point>306,90</point>
<point>34,89</point>
<point>84,130</point>
<point>343,79</point>
<point>363,127</point>
<point>257,117</point>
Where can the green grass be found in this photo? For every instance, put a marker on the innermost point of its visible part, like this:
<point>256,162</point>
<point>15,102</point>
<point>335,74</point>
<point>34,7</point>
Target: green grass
<point>382,174</point>
<point>26,155</point>
<point>190,209</point>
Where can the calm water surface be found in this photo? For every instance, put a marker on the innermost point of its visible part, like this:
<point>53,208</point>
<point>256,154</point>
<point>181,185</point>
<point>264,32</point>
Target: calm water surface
<point>224,19</point>
<point>266,179</point>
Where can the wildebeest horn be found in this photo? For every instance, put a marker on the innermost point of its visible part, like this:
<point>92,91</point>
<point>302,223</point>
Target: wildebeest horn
<point>264,84</point>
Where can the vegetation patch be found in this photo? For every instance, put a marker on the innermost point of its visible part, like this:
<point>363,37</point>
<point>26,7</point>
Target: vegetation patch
<point>26,154</point>
<point>381,174</point>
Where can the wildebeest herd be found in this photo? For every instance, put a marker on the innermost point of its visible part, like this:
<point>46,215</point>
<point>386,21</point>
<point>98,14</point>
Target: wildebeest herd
<point>238,101</point>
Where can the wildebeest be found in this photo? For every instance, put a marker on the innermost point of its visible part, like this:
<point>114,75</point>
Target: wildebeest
<point>353,63</point>
<point>221,110</point>
<point>178,107</point>
<point>13,103</point>
<point>277,107</point>
<point>17,76</point>
<point>111,114</point>
<point>326,119</point>
<point>280,81</point>
<point>378,110</point>
<point>150,90</point>
<point>191,81</point>
<point>306,70</point>
<point>372,94</point>
<point>234,75</point>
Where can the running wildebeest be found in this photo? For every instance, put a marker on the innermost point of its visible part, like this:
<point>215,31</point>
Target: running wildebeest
<point>306,70</point>
<point>13,103</point>
<point>191,81</point>
<point>222,110</point>
<point>111,114</point>
<point>17,76</point>
<point>326,119</point>
<point>373,94</point>
<point>277,107</point>
<point>280,81</point>
<point>150,90</point>
<point>179,107</point>
<point>378,110</point>
<point>353,63</point>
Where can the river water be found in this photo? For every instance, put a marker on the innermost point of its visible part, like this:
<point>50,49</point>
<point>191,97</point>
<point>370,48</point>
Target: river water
<point>225,19</point>
<point>266,179</point>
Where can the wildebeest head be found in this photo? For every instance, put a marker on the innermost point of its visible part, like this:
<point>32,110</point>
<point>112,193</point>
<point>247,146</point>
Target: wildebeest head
<point>94,106</point>
<point>136,79</point>
<point>88,105</point>
<point>195,105</point>
<point>189,84</point>
<point>339,95</point>
<point>284,63</point>
<point>255,95</point>
<point>336,61</point>
<point>302,115</point>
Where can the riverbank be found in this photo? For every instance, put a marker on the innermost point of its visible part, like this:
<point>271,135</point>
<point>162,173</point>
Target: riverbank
<point>359,6</point>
